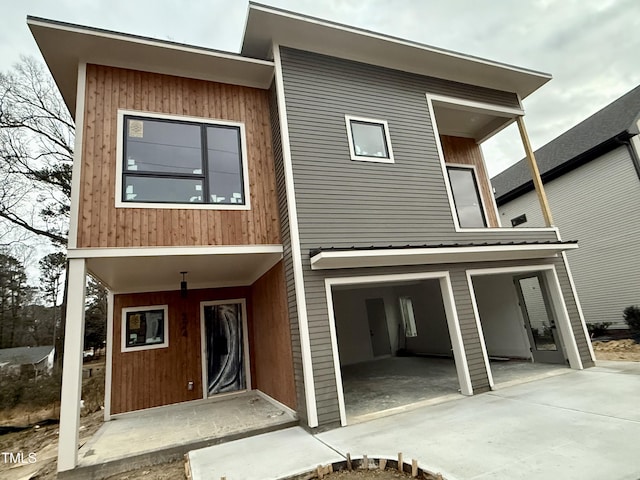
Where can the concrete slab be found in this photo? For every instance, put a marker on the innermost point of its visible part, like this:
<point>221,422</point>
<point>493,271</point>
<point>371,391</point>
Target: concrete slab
<point>582,425</point>
<point>161,434</point>
<point>269,456</point>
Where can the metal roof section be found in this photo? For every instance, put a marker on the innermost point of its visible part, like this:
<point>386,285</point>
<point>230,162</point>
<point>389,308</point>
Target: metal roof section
<point>589,139</point>
<point>376,256</point>
<point>65,45</point>
<point>266,25</point>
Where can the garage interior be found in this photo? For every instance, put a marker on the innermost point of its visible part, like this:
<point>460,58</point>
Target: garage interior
<point>395,349</point>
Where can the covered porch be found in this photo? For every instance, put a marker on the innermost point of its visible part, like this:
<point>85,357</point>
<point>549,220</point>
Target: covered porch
<point>166,433</point>
<point>213,344</point>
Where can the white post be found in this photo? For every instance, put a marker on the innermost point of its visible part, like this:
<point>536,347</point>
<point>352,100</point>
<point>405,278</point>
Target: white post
<point>109,358</point>
<point>72,367</point>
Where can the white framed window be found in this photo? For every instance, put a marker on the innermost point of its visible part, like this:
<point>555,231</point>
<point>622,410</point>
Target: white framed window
<point>145,328</point>
<point>369,139</point>
<point>466,196</point>
<point>168,161</point>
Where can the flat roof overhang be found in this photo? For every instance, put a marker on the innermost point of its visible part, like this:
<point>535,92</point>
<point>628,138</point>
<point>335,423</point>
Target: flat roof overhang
<point>65,45</point>
<point>128,270</point>
<point>389,257</point>
<point>267,25</point>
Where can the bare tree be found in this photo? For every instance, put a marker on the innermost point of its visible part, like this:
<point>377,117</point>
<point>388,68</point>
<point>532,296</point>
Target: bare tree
<point>36,152</point>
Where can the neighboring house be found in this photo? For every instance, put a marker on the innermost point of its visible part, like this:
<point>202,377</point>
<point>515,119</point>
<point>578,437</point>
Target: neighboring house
<point>325,193</point>
<point>33,361</point>
<point>592,180</point>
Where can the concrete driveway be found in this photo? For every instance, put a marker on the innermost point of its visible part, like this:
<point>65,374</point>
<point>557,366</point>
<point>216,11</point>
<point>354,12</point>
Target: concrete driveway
<point>580,425</point>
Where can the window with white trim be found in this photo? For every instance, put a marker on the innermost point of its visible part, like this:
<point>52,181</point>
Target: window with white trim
<point>144,328</point>
<point>182,162</point>
<point>369,139</point>
<point>466,196</point>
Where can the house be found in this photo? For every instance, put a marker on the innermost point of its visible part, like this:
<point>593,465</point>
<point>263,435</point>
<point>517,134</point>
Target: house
<point>32,361</point>
<point>592,178</point>
<point>276,218</point>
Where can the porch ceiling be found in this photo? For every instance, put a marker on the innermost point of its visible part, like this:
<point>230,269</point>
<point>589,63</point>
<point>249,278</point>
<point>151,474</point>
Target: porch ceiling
<point>126,270</point>
<point>425,255</point>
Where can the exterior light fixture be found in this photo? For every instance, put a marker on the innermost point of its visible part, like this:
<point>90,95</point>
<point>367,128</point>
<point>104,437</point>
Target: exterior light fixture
<point>183,285</point>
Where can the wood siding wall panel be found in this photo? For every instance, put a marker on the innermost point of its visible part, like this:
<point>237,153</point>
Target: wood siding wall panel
<point>100,224</point>
<point>271,344</point>
<point>151,378</point>
<point>466,151</point>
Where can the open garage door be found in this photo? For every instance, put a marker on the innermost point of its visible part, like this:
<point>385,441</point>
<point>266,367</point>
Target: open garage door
<point>394,344</point>
<point>519,325</point>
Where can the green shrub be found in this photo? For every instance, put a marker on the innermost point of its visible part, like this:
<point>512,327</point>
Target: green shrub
<point>632,317</point>
<point>598,329</point>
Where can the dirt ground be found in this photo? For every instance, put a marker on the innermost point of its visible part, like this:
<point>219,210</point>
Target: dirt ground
<point>624,350</point>
<point>43,440</point>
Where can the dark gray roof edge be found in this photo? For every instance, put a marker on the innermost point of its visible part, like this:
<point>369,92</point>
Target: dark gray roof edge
<point>399,39</point>
<point>595,135</point>
<point>315,251</point>
<point>565,167</point>
<point>60,23</point>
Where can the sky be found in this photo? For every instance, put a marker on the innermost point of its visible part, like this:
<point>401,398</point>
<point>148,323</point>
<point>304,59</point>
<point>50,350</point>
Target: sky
<point>591,47</point>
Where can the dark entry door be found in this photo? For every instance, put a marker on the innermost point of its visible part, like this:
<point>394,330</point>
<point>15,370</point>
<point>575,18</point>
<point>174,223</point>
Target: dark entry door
<point>539,319</point>
<point>378,328</point>
<point>224,348</point>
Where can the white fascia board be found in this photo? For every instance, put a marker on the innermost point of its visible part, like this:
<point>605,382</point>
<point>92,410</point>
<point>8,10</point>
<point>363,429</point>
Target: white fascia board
<point>414,256</point>
<point>172,251</point>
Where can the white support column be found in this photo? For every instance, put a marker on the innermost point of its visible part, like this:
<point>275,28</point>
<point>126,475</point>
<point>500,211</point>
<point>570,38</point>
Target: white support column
<point>72,367</point>
<point>109,358</point>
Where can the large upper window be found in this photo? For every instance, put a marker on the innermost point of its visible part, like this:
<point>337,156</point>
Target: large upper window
<point>182,162</point>
<point>369,139</point>
<point>466,196</point>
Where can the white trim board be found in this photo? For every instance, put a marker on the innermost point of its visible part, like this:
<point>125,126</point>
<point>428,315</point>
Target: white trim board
<point>557,300</point>
<point>172,251</point>
<point>76,172</point>
<point>296,253</point>
<point>462,368</point>
<point>119,203</point>
<point>432,255</point>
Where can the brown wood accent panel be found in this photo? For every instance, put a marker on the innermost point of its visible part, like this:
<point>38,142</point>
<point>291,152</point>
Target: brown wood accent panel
<point>271,337</point>
<point>100,224</point>
<point>467,152</point>
<point>150,378</point>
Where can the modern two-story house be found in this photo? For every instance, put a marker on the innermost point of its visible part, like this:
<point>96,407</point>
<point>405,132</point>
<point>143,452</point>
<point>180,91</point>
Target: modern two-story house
<point>276,218</point>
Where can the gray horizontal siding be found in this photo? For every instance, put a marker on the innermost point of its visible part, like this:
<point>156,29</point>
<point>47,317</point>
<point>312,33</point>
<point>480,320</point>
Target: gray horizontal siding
<point>341,202</point>
<point>597,204</point>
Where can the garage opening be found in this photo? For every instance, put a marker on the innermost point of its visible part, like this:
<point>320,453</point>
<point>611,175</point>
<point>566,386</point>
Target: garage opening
<point>394,344</point>
<point>520,324</point>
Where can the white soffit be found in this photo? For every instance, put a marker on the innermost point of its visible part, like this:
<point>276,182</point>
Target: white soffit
<point>64,45</point>
<point>266,25</point>
<point>432,255</point>
<point>143,270</point>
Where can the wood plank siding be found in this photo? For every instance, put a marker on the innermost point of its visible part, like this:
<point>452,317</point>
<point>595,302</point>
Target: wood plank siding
<point>101,224</point>
<point>151,378</point>
<point>465,151</point>
<point>271,339</point>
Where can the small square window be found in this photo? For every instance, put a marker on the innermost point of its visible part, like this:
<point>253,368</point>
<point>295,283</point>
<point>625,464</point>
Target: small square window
<point>369,140</point>
<point>144,328</point>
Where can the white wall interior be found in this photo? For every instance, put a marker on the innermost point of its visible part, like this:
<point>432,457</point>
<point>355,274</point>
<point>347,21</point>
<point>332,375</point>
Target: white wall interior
<point>500,316</point>
<point>352,326</point>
